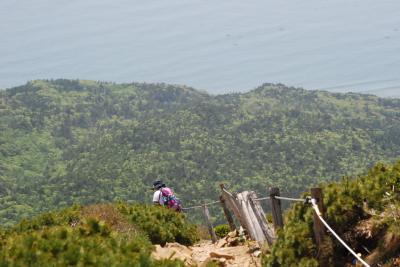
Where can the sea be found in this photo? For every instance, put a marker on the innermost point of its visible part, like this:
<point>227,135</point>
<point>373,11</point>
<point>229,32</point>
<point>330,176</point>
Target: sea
<point>218,46</point>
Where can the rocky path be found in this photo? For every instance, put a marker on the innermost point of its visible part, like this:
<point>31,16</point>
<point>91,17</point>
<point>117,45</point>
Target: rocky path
<point>225,252</point>
<point>236,256</point>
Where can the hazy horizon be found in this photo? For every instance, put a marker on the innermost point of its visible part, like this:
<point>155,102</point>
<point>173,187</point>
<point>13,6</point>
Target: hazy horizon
<point>219,47</point>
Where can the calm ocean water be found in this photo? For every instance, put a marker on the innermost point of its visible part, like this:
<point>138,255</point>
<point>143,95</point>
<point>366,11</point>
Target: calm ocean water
<point>219,46</point>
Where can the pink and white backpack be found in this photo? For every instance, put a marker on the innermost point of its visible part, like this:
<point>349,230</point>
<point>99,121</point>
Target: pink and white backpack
<point>170,200</point>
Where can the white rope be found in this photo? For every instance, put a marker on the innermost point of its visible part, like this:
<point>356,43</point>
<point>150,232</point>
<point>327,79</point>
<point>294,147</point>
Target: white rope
<point>193,207</point>
<point>262,198</point>
<point>315,207</point>
<point>290,199</point>
<point>283,198</point>
<point>199,206</point>
<point>212,203</point>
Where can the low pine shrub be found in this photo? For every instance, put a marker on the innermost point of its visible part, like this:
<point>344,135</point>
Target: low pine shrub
<point>347,203</point>
<point>222,230</point>
<point>92,243</point>
<point>161,225</point>
<point>96,235</point>
<point>67,216</point>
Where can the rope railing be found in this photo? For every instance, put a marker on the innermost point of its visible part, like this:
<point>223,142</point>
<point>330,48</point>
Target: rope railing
<point>317,211</point>
<point>199,206</point>
<point>262,198</point>
<point>305,200</point>
<point>192,207</point>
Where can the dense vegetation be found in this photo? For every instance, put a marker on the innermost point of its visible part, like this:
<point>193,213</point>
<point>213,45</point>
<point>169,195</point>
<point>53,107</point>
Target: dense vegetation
<point>222,230</point>
<point>96,235</point>
<point>65,141</point>
<point>364,211</point>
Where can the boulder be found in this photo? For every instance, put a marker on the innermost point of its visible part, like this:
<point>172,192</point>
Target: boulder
<point>253,246</point>
<point>257,253</point>
<point>213,262</point>
<point>221,243</point>
<point>233,241</point>
<point>173,251</point>
<point>181,248</point>
<point>232,234</point>
<point>221,255</point>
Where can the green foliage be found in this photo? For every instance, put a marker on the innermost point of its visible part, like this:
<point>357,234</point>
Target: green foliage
<point>67,217</point>
<point>73,237</point>
<point>222,230</point>
<point>345,204</point>
<point>69,141</point>
<point>160,224</point>
<point>212,264</point>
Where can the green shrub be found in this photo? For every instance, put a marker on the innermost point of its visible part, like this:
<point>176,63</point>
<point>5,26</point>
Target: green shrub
<point>64,217</point>
<point>343,201</point>
<point>161,224</point>
<point>89,244</point>
<point>222,230</point>
<point>96,235</point>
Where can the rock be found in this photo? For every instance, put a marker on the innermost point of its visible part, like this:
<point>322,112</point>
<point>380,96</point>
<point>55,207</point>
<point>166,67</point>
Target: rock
<point>222,262</point>
<point>257,253</point>
<point>173,251</point>
<point>181,248</point>
<point>232,234</point>
<point>221,243</point>
<point>233,242</point>
<point>209,262</point>
<point>160,253</point>
<point>221,255</point>
<point>253,246</point>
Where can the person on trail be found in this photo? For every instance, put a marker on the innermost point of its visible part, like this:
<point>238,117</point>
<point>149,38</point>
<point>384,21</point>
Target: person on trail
<point>165,196</point>
<point>157,196</point>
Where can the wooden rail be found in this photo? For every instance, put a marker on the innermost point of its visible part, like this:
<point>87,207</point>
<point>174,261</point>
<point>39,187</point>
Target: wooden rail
<point>250,215</point>
<point>246,208</point>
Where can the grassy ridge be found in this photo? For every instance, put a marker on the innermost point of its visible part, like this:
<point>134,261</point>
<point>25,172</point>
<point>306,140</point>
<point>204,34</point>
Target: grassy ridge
<point>96,235</point>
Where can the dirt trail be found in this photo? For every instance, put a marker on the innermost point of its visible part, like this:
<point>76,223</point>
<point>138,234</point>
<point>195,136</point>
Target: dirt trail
<point>242,255</point>
<point>200,254</point>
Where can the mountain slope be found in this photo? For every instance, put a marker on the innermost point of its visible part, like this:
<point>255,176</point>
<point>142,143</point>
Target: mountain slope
<point>70,141</point>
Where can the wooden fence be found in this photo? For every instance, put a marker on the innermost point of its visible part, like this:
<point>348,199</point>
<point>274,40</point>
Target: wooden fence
<point>249,214</point>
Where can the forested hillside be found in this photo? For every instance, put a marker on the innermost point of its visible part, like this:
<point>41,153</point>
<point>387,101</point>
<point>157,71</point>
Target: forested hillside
<point>66,141</point>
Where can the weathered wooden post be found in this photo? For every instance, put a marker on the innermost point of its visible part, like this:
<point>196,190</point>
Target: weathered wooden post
<point>319,228</point>
<point>210,227</point>
<point>276,207</point>
<point>262,221</point>
<point>233,204</point>
<point>227,213</point>
<point>250,222</point>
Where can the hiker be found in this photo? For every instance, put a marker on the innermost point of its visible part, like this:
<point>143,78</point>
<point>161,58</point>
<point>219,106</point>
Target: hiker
<point>164,196</point>
<point>157,196</point>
